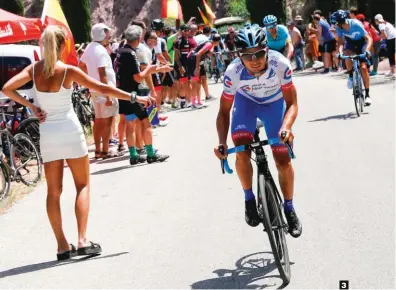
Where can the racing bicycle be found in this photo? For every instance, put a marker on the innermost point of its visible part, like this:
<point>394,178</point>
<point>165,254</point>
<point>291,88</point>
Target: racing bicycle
<point>357,80</point>
<point>269,202</point>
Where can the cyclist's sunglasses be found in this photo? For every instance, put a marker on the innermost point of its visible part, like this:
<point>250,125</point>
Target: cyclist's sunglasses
<point>273,25</point>
<point>253,56</point>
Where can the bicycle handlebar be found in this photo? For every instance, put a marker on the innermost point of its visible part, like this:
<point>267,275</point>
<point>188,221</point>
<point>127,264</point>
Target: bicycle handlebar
<point>356,56</point>
<point>224,162</point>
<point>353,57</point>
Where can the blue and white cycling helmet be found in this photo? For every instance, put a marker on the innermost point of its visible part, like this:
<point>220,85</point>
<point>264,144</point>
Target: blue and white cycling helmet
<point>250,37</point>
<point>213,31</point>
<point>338,17</point>
<point>270,21</point>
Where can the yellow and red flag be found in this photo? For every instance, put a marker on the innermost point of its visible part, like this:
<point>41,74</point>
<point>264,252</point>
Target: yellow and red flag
<point>53,15</point>
<point>209,11</point>
<point>172,9</point>
<point>205,20</point>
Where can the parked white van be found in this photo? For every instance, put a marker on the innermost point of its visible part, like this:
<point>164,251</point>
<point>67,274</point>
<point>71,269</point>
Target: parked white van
<point>13,59</point>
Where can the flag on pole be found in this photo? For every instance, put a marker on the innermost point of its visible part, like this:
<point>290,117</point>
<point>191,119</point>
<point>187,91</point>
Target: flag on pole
<point>172,9</point>
<point>205,20</point>
<point>53,15</point>
<point>209,11</point>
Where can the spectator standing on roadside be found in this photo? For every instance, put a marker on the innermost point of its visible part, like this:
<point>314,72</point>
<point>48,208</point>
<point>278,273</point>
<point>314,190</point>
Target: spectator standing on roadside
<point>96,62</point>
<point>388,32</point>
<point>376,42</point>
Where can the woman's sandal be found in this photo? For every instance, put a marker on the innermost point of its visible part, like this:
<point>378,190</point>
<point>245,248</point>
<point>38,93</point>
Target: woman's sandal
<point>68,254</point>
<point>93,249</point>
<point>98,155</point>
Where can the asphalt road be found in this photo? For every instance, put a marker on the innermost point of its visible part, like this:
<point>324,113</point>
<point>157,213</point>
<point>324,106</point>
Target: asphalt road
<point>180,224</point>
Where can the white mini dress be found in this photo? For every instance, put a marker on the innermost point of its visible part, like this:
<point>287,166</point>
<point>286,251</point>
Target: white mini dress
<point>61,134</point>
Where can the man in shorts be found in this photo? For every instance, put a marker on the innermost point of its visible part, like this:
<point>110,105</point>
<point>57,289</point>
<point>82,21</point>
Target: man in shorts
<point>96,62</point>
<point>129,76</point>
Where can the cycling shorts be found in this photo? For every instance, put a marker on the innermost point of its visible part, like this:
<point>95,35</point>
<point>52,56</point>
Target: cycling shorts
<point>356,46</point>
<point>246,113</point>
<point>191,66</point>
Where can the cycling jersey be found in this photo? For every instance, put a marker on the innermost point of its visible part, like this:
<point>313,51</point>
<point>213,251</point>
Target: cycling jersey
<point>260,97</point>
<point>356,30</point>
<point>282,37</point>
<point>263,90</point>
<point>229,42</point>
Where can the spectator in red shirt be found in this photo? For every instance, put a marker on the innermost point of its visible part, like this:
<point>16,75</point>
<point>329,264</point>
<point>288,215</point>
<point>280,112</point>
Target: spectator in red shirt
<point>376,42</point>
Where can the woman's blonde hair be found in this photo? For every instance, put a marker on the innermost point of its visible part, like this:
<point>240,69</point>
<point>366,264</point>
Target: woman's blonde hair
<point>52,39</point>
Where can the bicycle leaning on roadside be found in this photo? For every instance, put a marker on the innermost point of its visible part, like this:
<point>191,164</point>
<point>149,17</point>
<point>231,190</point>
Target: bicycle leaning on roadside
<point>19,161</point>
<point>357,80</point>
<point>269,201</point>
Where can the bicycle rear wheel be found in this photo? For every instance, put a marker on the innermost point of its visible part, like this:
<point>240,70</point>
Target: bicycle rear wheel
<point>270,211</point>
<point>27,159</point>
<point>5,181</point>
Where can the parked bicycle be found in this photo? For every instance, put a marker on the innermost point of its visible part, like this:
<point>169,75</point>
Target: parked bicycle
<point>269,201</point>
<point>20,161</point>
<point>81,100</point>
<point>19,120</point>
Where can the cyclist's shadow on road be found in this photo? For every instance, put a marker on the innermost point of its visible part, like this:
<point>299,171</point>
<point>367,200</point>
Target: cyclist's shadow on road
<point>249,271</point>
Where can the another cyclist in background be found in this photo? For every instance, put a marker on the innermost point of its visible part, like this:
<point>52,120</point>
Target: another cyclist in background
<point>229,42</point>
<point>278,36</point>
<point>327,40</point>
<point>260,82</point>
<point>359,42</point>
<point>217,50</point>
<point>196,56</point>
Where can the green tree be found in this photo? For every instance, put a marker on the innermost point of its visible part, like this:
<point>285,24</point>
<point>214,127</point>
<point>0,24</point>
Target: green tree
<point>78,15</point>
<point>13,6</point>
<point>258,9</point>
<point>237,8</point>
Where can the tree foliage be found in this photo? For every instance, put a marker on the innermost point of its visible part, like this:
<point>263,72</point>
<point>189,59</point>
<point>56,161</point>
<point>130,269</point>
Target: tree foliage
<point>237,8</point>
<point>78,15</point>
<point>13,6</point>
<point>258,10</point>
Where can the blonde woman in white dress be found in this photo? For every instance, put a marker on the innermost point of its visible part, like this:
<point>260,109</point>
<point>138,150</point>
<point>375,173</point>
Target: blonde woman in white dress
<point>61,135</point>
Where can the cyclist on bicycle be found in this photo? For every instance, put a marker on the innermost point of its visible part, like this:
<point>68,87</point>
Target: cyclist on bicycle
<point>217,51</point>
<point>260,82</point>
<point>358,42</point>
<point>278,36</point>
<point>229,42</point>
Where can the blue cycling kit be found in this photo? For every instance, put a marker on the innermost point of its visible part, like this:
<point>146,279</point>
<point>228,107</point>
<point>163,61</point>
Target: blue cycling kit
<point>356,30</point>
<point>281,39</point>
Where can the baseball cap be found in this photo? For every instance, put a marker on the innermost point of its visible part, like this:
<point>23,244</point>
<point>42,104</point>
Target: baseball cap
<point>360,17</point>
<point>98,31</point>
<point>379,17</point>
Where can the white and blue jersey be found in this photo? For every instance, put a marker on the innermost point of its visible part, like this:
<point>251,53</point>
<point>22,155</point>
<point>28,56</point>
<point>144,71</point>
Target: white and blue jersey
<point>257,97</point>
<point>356,30</point>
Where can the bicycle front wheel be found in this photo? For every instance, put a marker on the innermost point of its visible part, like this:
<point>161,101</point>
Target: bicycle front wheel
<point>270,211</point>
<point>27,160</point>
<point>357,93</point>
<point>5,181</point>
